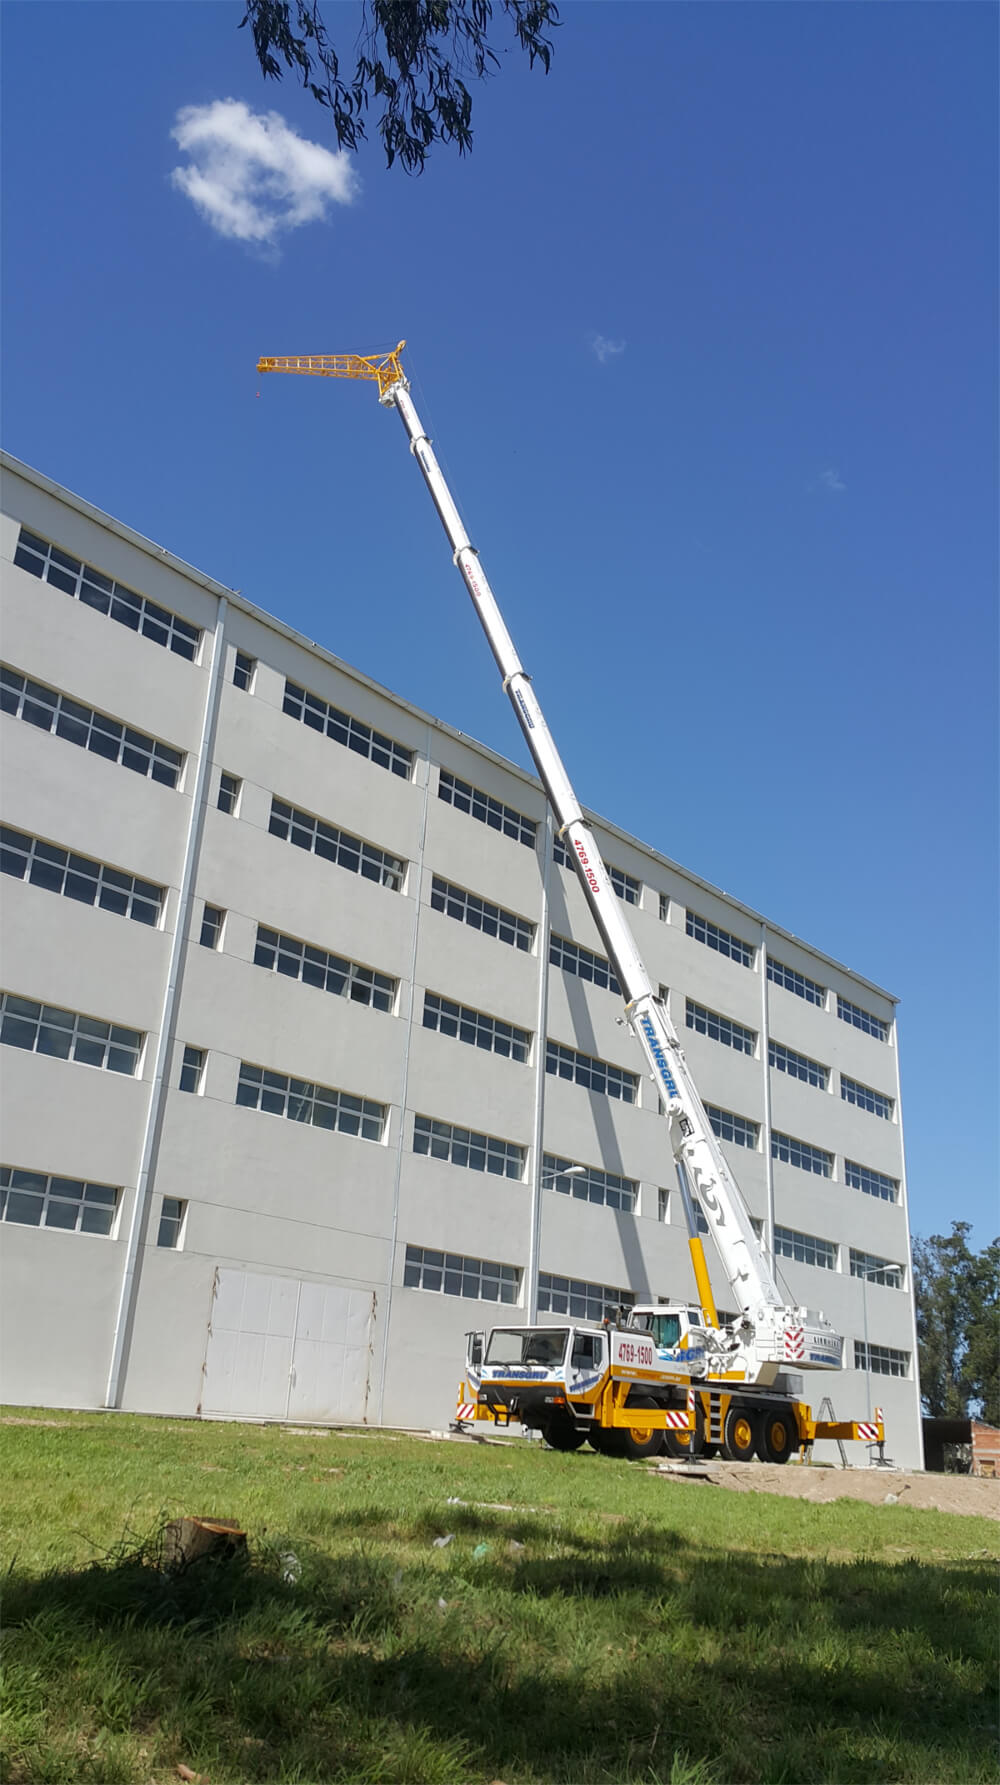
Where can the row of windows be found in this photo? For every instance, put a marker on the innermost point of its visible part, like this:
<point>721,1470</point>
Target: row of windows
<point>352,853</point>
<point>314,966</point>
<point>463,1146</point>
<point>66,1035</point>
<point>881,1360</point>
<point>805,1248</point>
<point>573,957</point>
<point>873,1183</point>
<point>726,1125</point>
<point>481,914</point>
<point>476,1028</point>
<point>592,1074</point>
<point>876,1270</point>
<point>702,930</point>
<point>582,1301</point>
<point>46,708</point>
<point>354,734</point>
<point>451,1273</point>
<point>300,1101</point>
<point>862,1019</point>
<point>794,981</point>
<point>102,593</point>
<point>79,877</point>
<point>587,1183</point>
<point>802,1154</point>
<point>466,798</point>
<point>34,1199</point>
<point>785,1059</point>
<point>720,1028</point>
<point>866,1098</point>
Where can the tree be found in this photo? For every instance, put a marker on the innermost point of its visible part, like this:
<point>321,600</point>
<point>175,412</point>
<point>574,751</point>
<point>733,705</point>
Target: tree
<point>958,1324</point>
<point>414,55</point>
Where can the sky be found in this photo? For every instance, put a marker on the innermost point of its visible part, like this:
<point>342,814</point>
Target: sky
<point>704,329</point>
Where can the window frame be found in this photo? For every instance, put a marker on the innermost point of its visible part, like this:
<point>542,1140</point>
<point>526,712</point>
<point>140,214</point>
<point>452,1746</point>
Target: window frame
<point>84,1032</point>
<point>304,830</point>
<point>69,718</point>
<point>419,1262</point>
<point>587,1071</point>
<point>318,966</point>
<point>448,1141</point>
<point>453,791</point>
<point>330,721</point>
<point>712,935</point>
<point>52,1198</point>
<point>110,884</point>
<point>149,616</point>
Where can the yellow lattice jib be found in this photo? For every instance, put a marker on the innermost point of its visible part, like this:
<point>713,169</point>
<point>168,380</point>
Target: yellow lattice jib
<point>386,369</point>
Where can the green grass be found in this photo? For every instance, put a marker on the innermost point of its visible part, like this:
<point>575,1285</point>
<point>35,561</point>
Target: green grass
<point>615,1627</point>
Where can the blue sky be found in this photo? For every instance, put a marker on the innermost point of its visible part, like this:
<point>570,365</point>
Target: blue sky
<point>705,331</point>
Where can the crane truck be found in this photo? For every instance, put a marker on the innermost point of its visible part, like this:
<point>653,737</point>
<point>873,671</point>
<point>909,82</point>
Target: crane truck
<point>654,1376</point>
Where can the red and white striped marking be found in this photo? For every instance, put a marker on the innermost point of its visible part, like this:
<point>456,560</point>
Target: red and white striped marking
<point>867,1431</point>
<point>677,1421</point>
<point>466,1410</point>
<point>795,1342</point>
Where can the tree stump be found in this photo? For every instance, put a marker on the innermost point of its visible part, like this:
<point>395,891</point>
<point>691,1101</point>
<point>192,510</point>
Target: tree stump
<point>188,1540</point>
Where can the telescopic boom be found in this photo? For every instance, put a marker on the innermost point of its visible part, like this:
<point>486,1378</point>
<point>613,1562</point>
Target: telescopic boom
<point>771,1332</point>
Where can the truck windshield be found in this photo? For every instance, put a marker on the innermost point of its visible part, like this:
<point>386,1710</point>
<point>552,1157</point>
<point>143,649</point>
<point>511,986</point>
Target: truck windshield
<point>545,1347</point>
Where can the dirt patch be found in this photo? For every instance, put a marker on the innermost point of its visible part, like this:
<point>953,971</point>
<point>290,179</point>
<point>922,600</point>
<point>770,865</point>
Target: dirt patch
<point>938,1493</point>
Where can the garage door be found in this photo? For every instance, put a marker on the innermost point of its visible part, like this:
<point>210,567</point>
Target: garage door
<point>279,1348</point>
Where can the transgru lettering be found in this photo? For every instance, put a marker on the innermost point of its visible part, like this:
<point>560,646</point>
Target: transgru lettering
<point>658,1054</point>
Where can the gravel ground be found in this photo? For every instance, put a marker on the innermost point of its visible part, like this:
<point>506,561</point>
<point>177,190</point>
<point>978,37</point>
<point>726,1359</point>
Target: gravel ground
<point>940,1493</point>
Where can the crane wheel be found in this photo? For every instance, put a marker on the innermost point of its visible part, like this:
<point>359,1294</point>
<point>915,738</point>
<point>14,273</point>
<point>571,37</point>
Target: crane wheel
<point>739,1436</point>
<point>607,1441</point>
<point>562,1434</point>
<point>778,1435</point>
<point>685,1446</point>
<point>638,1443</point>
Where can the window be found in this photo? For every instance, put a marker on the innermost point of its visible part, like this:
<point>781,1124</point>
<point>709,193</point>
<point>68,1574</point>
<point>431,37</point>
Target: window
<point>663,1205</point>
<point>79,877</point>
<point>800,1153</point>
<point>229,794</point>
<point>873,1183</point>
<point>881,1360</point>
<point>483,806</point>
<point>723,943</point>
<point>358,857</point>
<point>805,1248</point>
<point>299,1101</point>
<point>588,1183</point>
<point>171,1229</point>
<point>785,1059</point>
<point>740,1130</point>
<point>796,982</point>
<point>479,914</point>
<point>862,1019</point>
<point>720,1028</point>
<point>700,1218</point>
<point>244,670</point>
<point>625,885</point>
<point>865,1098</point>
<point>106,596</point>
<point>212,920</point>
<point>463,1146</point>
<point>33,1199</point>
<point>329,972</point>
<point>45,707</point>
<point>664,908</point>
<point>352,733</point>
<point>583,1301</point>
<point>449,1273</point>
<point>560,851</point>
<point>572,957</point>
<point>476,1028</point>
<point>46,1029</point>
<point>592,1074</point>
<point>876,1270</point>
<point>193,1070</point>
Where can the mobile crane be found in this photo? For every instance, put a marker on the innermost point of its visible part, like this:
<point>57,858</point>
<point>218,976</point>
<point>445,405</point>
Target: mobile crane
<point>661,1375</point>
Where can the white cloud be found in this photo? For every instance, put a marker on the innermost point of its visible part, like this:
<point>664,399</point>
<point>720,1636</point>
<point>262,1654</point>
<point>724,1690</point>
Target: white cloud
<point>251,176</point>
<point>606,349</point>
<point>831,480</point>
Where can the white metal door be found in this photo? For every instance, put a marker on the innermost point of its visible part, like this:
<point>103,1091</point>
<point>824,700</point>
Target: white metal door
<point>279,1348</point>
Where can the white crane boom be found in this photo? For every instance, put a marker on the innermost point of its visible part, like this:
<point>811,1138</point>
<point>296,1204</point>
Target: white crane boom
<point>772,1332</point>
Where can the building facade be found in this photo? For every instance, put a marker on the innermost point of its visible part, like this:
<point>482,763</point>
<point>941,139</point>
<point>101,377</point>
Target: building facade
<point>312,1059</point>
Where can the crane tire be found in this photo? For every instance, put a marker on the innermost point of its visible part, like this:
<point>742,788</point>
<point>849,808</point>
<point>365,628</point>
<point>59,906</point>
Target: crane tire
<point>639,1444</point>
<point>779,1435</point>
<point>683,1447</point>
<point>607,1442</point>
<point>562,1434</point>
<point>739,1434</point>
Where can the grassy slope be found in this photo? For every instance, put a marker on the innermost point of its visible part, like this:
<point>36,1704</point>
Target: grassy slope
<point>617,1627</point>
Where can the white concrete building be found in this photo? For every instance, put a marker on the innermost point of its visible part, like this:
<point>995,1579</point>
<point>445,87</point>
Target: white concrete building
<point>284,1029</point>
